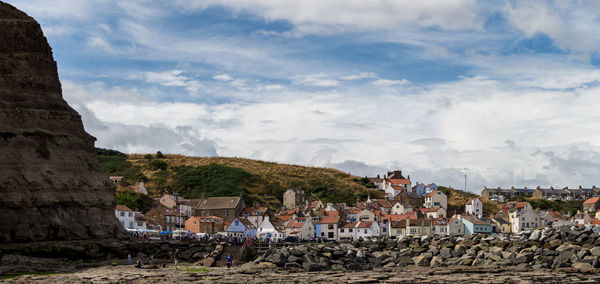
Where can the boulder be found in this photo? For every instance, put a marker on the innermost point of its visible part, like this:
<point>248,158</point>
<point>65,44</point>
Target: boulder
<point>421,260</point>
<point>266,265</point>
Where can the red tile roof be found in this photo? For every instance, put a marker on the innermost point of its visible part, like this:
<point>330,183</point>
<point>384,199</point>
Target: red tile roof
<point>399,181</point>
<point>349,225</point>
<point>123,208</point>
<point>331,217</point>
<point>398,217</point>
<point>431,193</point>
<point>434,209</point>
<point>364,224</point>
<point>591,200</point>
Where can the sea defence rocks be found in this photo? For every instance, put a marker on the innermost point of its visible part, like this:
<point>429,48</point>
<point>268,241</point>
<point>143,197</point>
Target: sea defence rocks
<point>574,247</point>
<point>51,183</point>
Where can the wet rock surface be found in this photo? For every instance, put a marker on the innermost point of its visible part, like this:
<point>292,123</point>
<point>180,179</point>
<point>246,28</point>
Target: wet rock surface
<point>51,183</point>
<point>271,274</point>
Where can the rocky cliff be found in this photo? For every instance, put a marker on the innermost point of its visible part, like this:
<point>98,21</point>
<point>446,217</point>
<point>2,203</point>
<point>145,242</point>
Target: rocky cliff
<point>51,183</point>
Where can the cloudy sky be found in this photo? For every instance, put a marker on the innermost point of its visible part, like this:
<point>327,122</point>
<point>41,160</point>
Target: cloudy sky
<point>506,92</point>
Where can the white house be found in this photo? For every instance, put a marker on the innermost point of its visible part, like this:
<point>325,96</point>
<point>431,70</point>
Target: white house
<point>395,183</point>
<point>398,208</point>
<point>273,231</point>
<point>436,198</point>
<point>303,229</point>
<point>455,226</point>
<point>521,216</point>
<point>360,229</point>
<point>474,207</point>
<point>366,229</point>
<point>365,215</point>
<point>241,227</point>
<point>128,219</point>
<point>440,227</point>
<point>140,188</point>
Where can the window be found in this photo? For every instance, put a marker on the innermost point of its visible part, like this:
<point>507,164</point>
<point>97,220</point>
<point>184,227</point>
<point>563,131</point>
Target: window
<point>130,214</point>
<point>330,227</point>
<point>413,231</point>
<point>122,214</point>
<point>364,217</point>
<point>350,230</point>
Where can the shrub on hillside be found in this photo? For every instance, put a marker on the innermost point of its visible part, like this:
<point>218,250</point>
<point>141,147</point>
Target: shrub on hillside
<point>158,165</point>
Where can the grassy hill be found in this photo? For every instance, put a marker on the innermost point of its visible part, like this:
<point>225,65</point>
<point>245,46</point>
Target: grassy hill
<point>259,181</point>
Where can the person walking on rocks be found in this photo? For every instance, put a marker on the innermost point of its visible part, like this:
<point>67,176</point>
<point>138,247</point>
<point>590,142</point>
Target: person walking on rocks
<point>150,259</point>
<point>229,261</point>
<point>129,258</point>
<point>175,257</point>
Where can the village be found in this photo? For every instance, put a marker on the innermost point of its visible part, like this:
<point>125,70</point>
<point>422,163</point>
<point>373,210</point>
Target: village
<point>406,210</point>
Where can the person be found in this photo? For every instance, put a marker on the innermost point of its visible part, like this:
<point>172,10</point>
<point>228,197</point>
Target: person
<point>175,257</point>
<point>150,259</point>
<point>139,264</point>
<point>229,260</point>
<point>129,258</point>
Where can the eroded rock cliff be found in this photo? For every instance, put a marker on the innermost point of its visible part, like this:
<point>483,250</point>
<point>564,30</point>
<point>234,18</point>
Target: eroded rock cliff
<point>51,183</point>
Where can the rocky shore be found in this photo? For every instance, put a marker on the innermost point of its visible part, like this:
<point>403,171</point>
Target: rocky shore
<point>575,247</point>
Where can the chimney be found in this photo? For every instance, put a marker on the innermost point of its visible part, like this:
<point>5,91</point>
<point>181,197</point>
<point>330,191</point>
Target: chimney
<point>525,187</point>
<point>408,177</point>
<point>580,187</point>
<point>377,176</point>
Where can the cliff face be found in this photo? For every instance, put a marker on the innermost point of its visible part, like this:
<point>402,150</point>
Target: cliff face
<point>51,183</point>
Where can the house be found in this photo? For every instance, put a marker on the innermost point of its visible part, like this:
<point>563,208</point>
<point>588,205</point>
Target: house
<point>351,213</point>
<point>317,204</point>
<point>500,225</point>
<point>440,227</point>
<point>271,230</point>
<point>226,207</point>
<point>167,219</point>
<point>293,197</point>
<point>436,199</point>
<point>549,217</point>
<point>455,226</point>
<point>412,227</point>
<point>474,207</point>
<point>521,216</point>
<point>378,181</point>
<point>365,215</point>
<point>591,205</point>
<point>581,218</point>
<point>117,180</point>
<point>126,216</point>
<point>430,187</point>
<point>409,199</point>
<point>302,228</point>
<point>174,201</point>
<point>365,229</point>
<point>315,218</point>
<point>433,213</point>
<point>497,194</point>
<point>205,224</point>
<point>241,227</point>
<point>552,193</point>
<point>255,214</point>
<point>329,225</point>
<point>346,231</point>
<point>395,183</point>
<point>419,188</point>
<point>474,225</point>
<point>140,188</point>
<point>399,208</point>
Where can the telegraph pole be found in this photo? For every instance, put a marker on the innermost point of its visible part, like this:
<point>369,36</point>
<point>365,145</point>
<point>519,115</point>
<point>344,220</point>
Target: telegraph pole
<point>465,182</point>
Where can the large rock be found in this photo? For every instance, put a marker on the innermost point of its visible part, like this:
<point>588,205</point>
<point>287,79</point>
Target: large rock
<point>51,183</point>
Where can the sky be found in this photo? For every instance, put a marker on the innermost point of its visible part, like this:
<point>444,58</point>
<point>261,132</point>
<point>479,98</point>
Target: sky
<point>505,92</point>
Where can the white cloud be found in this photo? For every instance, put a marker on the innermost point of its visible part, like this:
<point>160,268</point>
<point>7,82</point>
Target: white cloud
<point>315,16</point>
<point>385,82</point>
<point>319,80</point>
<point>100,43</point>
<point>223,77</point>
<point>172,78</point>
<point>359,76</point>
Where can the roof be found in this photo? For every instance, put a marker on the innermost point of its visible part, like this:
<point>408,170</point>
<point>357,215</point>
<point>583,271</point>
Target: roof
<point>382,203</point>
<point>364,224</point>
<point>349,225</point>
<point>246,222</point>
<point>294,223</point>
<point>398,217</point>
<point>470,202</point>
<point>399,181</point>
<point>352,210</point>
<point>434,209</point>
<point>433,193</point>
<point>207,219</point>
<point>331,217</point>
<point>224,202</point>
<point>592,200</point>
<point>501,221</point>
<point>474,220</point>
<point>410,222</point>
<point>123,208</point>
<point>115,177</point>
<point>513,205</point>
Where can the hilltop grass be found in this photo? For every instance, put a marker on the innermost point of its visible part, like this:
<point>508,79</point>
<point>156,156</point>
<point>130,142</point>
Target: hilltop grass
<point>564,207</point>
<point>458,198</point>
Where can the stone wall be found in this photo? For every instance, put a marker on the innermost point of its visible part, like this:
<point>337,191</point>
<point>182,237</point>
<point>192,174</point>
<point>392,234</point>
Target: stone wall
<point>575,247</point>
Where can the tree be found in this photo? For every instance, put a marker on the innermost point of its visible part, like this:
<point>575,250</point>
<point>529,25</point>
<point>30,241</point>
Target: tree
<point>148,157</point>
<point>159,155</point>
<point>158,164</point>
<point>141,177</point>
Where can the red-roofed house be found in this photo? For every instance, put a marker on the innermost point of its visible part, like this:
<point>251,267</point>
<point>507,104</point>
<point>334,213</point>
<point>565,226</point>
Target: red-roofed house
<point>433,213</point>
<point>395,183</point>
<point>329,224</point>
<point>591,205</point>
<point>302,228</point>
<point>205,224</point>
